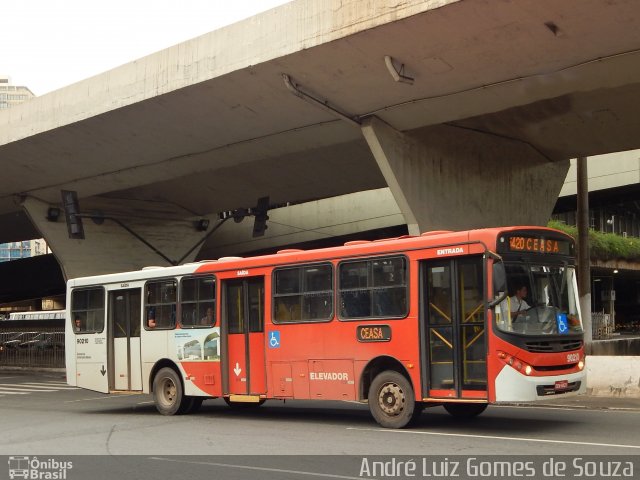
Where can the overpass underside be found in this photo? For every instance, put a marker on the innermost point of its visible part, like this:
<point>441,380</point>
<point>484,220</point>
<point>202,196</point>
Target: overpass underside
<point>492,102</point>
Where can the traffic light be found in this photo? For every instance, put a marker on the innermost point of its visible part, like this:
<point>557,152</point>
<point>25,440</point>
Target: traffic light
<point>72,214</point>
<point>260,212</point>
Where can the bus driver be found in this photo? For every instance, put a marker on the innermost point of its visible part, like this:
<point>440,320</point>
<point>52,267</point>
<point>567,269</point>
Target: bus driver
<point>518,304</point>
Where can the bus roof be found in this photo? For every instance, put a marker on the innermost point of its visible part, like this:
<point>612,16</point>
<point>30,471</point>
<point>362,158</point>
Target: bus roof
<point>357,248</point>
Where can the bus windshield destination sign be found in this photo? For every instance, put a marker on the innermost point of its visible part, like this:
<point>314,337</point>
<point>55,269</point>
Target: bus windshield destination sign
<point>539,245</point>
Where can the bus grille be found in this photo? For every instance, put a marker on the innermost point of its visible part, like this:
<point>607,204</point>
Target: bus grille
<point>553,368</point>
<point>553,346</point>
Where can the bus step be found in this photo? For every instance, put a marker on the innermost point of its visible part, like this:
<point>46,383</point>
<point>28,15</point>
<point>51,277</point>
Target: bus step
<point>245,398</point>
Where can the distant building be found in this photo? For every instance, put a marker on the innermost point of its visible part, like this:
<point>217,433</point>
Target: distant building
<point>25,249</point>
<point>11,95</point>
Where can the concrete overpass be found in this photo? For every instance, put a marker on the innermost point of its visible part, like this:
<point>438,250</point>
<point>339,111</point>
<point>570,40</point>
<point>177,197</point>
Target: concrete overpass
<point>502,95</point>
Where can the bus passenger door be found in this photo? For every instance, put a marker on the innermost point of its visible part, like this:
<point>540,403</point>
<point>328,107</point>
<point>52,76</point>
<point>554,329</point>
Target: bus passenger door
<point>243,323</point>
<point>124,345</point>
<point>453,329</point>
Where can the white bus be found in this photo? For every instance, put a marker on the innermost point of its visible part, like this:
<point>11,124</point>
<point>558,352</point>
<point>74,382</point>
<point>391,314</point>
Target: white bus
<point>38,315</point>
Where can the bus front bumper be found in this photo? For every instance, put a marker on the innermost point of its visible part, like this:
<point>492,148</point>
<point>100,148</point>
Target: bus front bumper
<point>512,386</point>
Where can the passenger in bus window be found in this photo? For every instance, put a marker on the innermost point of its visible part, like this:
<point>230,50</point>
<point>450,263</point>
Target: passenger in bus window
<point>208,318</point>
<point>151,317</point>
<point>77,324</point>
<point>518,303</point>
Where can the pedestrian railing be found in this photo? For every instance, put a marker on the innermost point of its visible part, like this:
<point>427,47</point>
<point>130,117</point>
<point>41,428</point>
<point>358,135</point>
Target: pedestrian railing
<point>602,325</point>
<point>24,347</point>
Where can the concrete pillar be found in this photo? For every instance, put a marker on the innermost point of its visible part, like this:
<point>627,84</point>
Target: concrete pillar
<point>444,177</point>
<point>584,256</point>
<point>108,247</point>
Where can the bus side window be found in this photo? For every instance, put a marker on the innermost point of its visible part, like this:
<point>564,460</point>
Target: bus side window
<point>87,310</point>
<point>160,305</point>
<point>197,300</point>
<point>374,288</point>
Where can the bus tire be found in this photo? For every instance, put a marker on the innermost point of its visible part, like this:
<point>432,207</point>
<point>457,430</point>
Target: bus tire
<point>465,410</point>
<point>391,400</point>
<point>195,405</point>
<point>168,394</point>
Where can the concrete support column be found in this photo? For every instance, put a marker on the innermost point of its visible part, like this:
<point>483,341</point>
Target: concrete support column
<point>108,247</point>
<point>584,256</point>
<point>444,177</point>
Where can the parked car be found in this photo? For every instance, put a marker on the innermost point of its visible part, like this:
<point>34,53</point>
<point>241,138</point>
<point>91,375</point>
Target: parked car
<point>4,336</point>
<point>52,340</point>
<point>16,340</point>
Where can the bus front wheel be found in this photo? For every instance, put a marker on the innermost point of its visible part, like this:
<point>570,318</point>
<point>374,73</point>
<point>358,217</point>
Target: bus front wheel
<point>392,401</point>
<point>168,394</point>
<point>465,410</point>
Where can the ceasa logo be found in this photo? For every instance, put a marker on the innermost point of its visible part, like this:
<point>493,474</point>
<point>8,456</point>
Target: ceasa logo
<point>33,468</point>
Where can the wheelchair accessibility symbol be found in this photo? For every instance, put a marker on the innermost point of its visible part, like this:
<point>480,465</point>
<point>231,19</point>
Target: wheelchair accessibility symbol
<point>274,339</point>
<point>563,324</point>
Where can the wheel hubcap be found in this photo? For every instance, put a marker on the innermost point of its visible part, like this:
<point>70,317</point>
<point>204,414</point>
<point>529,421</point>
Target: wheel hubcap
<point>391,399</point>
<point>168,391</point>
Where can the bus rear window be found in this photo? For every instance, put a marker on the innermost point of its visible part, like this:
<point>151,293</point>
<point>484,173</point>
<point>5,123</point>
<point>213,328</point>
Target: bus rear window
<point>374,288</point>
<point>87,310</point>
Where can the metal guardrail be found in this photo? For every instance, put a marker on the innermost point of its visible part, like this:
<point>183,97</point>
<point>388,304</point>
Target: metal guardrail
<point>25,347</point>
<point>602,325</point>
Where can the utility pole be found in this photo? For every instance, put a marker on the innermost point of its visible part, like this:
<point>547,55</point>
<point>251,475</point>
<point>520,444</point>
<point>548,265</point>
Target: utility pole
<point>584,271</point>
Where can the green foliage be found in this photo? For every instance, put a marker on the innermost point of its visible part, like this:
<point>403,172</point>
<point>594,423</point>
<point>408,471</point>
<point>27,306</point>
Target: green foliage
<point>604,246</point>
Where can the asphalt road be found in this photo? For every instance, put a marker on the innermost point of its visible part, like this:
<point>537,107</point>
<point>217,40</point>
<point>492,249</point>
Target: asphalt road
<point>42,416</point>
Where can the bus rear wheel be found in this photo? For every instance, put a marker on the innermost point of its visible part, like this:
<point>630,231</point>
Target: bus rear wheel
<point>465,410</point>
<point>168,394</point>
<point>392,401</point>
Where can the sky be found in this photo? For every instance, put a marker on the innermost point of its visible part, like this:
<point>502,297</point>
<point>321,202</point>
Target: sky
<point>48,44</point>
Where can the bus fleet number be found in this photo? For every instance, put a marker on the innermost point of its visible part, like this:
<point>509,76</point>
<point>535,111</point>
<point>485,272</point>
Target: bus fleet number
<point>82,340</point>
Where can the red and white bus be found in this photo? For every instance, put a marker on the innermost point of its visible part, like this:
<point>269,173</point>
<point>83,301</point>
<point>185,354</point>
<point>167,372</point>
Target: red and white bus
<point>403,323</point>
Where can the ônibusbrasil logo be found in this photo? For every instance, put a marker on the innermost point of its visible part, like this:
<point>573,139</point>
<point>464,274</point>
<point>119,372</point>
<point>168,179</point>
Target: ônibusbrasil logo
<point>33,468</point>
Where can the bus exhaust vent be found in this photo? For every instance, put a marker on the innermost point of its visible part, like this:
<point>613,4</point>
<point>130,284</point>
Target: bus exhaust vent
<point>553,346</point>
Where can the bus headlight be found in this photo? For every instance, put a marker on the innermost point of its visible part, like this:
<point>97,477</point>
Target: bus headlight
<point>581,364</point>
<point>528,370</point>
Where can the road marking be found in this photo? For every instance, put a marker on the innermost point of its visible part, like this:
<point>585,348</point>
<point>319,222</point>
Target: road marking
<point>62,386</point>
<point>102,398</point>
<point>571,407</point>
<point>261,469</point>
<point>13,393</point>
<point>28,385</point>
<point>495,437</point>
<point>17,388</point>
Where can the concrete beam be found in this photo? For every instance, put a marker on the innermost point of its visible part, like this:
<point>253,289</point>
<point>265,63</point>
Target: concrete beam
<point>320,219</point>
<point>110,248</point>
<point>445,177</point>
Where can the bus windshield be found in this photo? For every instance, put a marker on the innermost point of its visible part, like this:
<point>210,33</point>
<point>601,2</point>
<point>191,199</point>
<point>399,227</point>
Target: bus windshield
<point>542,300</point>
